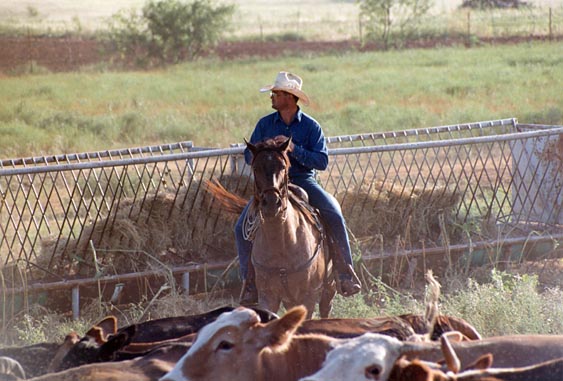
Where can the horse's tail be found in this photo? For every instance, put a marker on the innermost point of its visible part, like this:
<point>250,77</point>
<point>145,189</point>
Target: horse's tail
<point>230,201</point>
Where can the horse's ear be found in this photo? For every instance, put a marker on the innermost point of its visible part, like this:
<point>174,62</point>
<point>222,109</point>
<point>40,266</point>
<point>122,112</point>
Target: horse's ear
<point>251,147</point>
<point>285,146</point>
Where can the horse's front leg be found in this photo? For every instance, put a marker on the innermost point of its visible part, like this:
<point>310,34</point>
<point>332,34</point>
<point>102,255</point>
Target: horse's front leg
<point>268,301</point>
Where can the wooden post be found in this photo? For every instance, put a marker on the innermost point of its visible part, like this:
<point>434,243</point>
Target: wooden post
<point>29,51</point>
<point>469,28</point>
<point>360,30</point>
<point>550,24</point>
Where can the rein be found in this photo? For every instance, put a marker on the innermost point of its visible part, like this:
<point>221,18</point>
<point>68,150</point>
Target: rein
<point>280,193</point>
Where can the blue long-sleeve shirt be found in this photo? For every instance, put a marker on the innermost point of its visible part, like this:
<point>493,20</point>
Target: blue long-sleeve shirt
<point>310,152</point>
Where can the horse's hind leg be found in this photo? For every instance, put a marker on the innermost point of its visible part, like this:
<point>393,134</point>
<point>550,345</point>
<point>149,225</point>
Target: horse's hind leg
<point>325,304</point>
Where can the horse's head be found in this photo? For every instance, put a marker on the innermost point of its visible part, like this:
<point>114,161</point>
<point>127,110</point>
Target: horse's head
<point>270,165</point>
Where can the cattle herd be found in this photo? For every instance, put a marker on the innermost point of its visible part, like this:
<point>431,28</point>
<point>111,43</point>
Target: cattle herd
<point>239,343</point>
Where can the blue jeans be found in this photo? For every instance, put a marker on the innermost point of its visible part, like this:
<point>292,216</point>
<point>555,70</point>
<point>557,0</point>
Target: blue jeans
<point>318,198</point>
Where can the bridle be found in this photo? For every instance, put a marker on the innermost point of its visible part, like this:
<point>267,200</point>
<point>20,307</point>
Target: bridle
<point>280,193</point>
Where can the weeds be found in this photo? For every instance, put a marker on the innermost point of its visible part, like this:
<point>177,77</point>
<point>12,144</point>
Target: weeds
<point>507,304</point>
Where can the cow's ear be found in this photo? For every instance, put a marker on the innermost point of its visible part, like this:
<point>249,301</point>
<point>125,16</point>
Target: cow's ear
<point>277,333</point>
<point>108,326</point>
<point>97,334</point>
<point>116,342</point>
<point>483,362</point>
<point>416,371</point>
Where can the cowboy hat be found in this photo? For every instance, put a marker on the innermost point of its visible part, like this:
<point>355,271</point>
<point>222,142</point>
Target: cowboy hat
<point>289,83</point>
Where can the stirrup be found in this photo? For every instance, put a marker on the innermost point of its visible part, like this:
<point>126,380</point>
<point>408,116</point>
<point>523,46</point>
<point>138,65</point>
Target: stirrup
<point>349,287</point>
<point>347,282</point>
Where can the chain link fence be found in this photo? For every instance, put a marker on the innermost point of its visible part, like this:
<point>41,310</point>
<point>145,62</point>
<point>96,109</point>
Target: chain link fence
<point>83,217</point>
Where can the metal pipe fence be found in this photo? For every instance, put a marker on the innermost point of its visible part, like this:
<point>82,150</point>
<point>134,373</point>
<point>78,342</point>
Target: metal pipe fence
<point>90,215</point>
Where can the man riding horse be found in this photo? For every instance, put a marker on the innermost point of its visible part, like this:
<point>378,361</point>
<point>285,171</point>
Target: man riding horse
<point>308,153</point>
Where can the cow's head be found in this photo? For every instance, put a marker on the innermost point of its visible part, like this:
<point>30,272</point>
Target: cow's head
<point>368,357</point>
<point>230,347</point>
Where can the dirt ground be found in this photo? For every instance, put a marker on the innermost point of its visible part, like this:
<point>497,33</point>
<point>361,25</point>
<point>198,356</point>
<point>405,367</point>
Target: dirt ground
<point>71,53</point>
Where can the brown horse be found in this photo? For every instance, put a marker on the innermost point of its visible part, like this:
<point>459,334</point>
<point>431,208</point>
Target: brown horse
<point>290,249</point>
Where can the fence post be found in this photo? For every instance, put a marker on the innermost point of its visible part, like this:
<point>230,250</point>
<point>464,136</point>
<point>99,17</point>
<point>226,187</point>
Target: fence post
<point>469,28</point>
<point>186,282</point>
<point>30,51</point>
<point>75,302</point>
<point>550,24</point>
<point>360,30</point>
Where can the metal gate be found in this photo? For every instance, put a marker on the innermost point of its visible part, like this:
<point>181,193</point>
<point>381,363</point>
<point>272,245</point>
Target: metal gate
<point>83,216</point>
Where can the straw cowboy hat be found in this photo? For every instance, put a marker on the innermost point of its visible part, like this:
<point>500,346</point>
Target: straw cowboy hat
<point>289,83</point>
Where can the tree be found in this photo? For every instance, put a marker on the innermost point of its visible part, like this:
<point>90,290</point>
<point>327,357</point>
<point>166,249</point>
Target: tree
<point>386,17</point>
<point>170,30</point>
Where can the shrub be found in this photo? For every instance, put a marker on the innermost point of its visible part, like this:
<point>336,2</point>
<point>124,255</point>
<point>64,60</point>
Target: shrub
<point>388,19</point>
<point>508,304</point>
<point>169,30</point>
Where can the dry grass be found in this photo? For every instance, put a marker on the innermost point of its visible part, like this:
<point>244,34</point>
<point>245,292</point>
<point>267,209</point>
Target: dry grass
<point>390,212</point>
<point>159,227</point>
<point>147,232</point>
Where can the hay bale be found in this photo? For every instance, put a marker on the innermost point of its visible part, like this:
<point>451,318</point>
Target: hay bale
<point>170,228</point>
<point>391,211</point>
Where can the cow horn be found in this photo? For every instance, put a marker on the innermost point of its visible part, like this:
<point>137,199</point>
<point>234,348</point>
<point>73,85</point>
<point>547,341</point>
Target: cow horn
<point>452,361</point>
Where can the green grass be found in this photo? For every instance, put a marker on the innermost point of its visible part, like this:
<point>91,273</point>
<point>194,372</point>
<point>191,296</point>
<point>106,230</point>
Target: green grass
<point>216,103</point>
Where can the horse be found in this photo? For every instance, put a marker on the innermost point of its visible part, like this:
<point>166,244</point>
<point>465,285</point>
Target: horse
<point>290,250</point>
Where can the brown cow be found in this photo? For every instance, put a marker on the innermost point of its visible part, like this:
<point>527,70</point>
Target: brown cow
<point>105,342</point>
<point>402,327</point>
<point>417,370</point>
<point>35,359</point>
<point>345,328</point>
<point>237,346</point>
<point>150,367</point>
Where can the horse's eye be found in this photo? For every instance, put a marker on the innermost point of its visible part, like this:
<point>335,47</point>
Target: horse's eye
<point>225,346</point>
<point>373,372</point>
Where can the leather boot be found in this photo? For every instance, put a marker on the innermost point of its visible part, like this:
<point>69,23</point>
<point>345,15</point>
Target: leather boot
<point>249,293</point>
<point>348,282</point>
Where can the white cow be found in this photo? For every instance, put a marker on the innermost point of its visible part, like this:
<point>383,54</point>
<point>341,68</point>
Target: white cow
<point>373,356</point>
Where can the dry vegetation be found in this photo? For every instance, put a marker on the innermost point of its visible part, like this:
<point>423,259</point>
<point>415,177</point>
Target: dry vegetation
<point>415,215</point>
